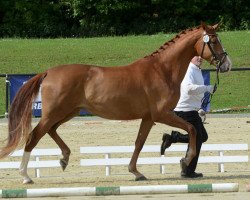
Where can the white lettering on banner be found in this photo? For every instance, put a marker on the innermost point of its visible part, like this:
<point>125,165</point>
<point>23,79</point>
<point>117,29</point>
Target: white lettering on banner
<point>37,105</point>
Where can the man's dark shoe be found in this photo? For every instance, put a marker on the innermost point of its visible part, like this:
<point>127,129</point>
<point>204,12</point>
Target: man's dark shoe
<point>166,142</point>
<point>191,175</point>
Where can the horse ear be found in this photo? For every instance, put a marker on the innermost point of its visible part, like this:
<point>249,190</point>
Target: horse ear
<point>216,26</point>
<point>203,25</point>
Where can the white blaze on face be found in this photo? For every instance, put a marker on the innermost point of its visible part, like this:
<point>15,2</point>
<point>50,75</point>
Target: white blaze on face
<point>228,63</point>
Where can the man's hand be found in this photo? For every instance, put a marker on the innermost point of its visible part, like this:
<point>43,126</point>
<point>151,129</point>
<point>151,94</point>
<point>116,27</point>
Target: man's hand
<point>212,88</point>
<point>202,115</point>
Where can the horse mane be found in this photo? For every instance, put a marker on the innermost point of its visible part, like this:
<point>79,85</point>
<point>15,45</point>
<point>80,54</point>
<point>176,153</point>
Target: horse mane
<point>172,41</point>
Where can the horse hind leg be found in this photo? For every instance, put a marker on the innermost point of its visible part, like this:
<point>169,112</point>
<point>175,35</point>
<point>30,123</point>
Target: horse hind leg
<point>43,127</point>
<point>64,148</point>
<point>38,132</point>
<point>23,168</point>
<point>144,130</point>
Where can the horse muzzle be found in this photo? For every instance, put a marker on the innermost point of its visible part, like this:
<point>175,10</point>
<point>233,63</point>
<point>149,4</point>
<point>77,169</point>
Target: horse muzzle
<point>226,65</point>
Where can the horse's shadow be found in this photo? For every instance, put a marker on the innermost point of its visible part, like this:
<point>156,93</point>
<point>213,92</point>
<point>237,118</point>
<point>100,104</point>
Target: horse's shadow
<point>224,177</point>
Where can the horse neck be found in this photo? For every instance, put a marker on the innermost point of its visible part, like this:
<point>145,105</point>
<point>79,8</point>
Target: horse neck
<point>175,59</point>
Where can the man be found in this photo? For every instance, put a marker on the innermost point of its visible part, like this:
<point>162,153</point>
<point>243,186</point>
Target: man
<point>192,92</point>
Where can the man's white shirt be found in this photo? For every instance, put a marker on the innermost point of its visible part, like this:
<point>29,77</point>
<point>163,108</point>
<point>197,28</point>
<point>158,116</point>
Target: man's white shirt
<point>192,90</point>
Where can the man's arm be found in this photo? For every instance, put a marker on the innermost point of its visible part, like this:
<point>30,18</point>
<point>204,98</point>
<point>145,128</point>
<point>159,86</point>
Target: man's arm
<point>193,89</point>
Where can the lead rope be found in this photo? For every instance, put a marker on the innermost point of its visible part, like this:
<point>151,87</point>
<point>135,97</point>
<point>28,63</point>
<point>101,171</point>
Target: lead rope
<point>208,96</point>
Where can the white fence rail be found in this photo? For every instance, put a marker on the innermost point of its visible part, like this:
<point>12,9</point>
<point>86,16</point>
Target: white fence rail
<point>109,161</point>
<point>50,157</point>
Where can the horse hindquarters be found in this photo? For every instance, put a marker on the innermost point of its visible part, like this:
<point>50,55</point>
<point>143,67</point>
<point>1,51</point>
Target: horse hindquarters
<point>58,107</point>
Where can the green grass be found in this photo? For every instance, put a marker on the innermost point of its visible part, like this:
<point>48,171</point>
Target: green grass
<point>29,56</point>
<point>233,90</point>
<point>36,55</point>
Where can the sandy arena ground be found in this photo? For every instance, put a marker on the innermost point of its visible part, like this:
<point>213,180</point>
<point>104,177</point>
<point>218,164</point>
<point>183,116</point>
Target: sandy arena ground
<point>98,132</point>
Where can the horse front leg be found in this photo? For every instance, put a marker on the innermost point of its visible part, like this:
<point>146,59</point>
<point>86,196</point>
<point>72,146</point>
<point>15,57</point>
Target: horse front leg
<point>171,119</point>
<point>145,127</point>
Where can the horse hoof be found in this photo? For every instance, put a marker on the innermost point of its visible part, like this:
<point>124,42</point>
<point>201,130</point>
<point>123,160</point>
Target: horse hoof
<point>140,178</point>
<point>63,164</point>
<point>28,181</point>
<point>183,165</point>
<point>166,142</point>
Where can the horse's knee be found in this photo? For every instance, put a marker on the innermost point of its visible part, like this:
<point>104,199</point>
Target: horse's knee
<point>138,144</point>
<point>191,130</point>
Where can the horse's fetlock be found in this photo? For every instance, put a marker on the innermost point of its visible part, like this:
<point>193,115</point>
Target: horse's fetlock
<point>131,169</point>
<point>21,172</point>
<point>66,153</point>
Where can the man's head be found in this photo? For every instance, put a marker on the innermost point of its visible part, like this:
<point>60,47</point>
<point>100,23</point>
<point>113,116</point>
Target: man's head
<point>197,60</point>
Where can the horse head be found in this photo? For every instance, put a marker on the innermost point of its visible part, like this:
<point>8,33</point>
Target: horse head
<point>210,48</point>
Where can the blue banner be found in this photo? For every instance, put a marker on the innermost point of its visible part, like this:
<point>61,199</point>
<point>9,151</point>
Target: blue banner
<point>16,82</point>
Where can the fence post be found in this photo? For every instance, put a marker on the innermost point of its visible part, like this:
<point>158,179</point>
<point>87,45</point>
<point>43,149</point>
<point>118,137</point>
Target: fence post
<point>221,165</point>
<point>108,168</point>
<point>37,170</point>
<point>162,167</point>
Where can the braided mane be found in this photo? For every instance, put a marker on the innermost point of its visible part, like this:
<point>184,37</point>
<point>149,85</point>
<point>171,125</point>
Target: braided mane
<point>172,41</point>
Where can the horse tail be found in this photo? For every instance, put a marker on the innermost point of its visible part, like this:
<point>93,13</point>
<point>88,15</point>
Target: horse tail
<point>19,119</point>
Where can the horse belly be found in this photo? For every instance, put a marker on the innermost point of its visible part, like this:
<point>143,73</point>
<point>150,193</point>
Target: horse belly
<point>114,94</point>
<point>124,108</point>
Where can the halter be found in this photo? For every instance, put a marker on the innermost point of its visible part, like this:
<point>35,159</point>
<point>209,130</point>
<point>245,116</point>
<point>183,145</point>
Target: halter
<point>206,41</point>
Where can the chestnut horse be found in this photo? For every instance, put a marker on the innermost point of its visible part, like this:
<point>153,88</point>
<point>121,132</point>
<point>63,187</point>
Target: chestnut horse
<point>147,89</point>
